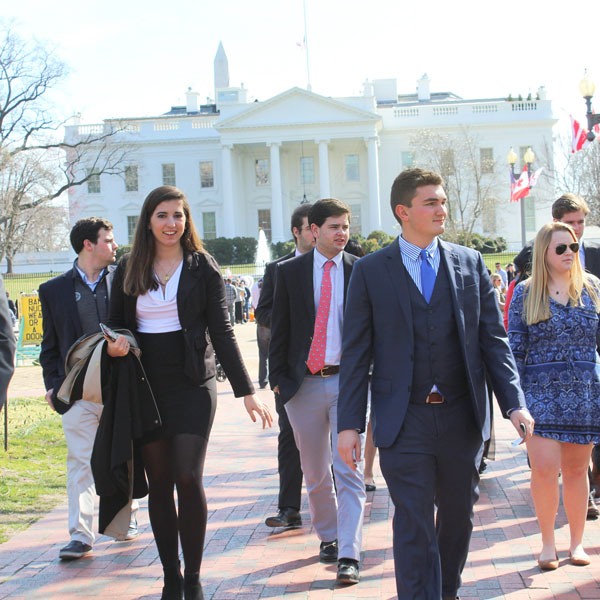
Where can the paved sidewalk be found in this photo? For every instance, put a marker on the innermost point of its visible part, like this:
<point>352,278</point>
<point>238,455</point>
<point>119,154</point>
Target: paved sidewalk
<point>245,560</point>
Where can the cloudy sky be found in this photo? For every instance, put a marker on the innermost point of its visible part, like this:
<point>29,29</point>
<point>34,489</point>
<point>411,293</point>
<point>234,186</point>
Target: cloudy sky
<point>130,58</point>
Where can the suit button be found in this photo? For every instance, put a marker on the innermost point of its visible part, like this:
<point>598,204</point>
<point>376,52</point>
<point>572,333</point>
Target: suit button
<point>156,421</point>
<point>143,379</point>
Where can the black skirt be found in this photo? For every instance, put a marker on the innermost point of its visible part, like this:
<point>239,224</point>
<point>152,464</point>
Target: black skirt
<point>184,406</point>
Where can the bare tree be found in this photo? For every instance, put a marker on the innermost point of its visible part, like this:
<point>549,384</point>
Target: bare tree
<point>579,173</point>
<point>471,177</point>
<point>33,169</point>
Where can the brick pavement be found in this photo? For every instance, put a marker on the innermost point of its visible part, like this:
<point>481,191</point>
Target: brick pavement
<point>245,560</point>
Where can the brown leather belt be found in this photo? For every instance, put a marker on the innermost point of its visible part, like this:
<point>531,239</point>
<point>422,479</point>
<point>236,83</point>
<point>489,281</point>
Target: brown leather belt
<point>435,398</point>
<point>326,371</point>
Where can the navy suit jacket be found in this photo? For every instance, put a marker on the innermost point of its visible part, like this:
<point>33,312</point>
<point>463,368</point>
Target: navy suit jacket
<point>263,311</point>
<point>293,320</point>
<point>61,328</point>
<point>378,328</point>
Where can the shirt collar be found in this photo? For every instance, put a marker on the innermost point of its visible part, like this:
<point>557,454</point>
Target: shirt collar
<point>84,276</point>
<point>320,260</point>
<point>413,252</point>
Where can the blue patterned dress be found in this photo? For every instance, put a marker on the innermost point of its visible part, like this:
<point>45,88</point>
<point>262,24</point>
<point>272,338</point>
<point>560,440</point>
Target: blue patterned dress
<point>559,369</point>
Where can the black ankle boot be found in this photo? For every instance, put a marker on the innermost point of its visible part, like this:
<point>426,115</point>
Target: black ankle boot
<point>192,588</point>
<point>173,585</point>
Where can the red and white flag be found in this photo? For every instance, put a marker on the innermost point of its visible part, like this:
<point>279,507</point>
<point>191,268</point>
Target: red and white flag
<point>519,188</point>
<point>533,179</point>
<point>578,136</point>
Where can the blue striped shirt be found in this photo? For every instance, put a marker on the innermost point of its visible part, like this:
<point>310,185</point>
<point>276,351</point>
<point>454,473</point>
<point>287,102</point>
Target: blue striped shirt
<point>411,257</point>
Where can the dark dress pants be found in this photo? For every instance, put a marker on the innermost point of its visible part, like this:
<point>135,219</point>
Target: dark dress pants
<point>434,461</point>
<point>263,337</point>
<point>288,459</point>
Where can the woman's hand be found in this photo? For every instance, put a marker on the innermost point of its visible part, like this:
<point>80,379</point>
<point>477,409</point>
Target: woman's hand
<point>118,348</point>
<point>254,405</point>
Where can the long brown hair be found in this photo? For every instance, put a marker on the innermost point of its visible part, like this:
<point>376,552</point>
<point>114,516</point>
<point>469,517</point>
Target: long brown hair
<point>536,306</point>
<point>139,272</point>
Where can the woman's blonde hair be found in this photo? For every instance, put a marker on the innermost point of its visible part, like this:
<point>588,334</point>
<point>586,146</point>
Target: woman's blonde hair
<point>536,306</point>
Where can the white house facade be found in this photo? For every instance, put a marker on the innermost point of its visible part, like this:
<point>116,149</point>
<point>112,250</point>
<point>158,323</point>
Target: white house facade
<point>245,165</point>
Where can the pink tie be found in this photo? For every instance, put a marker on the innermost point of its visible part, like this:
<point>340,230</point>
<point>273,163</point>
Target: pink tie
<point>316,356</point>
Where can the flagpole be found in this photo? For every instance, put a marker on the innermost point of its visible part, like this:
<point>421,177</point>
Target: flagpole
<point>308,86</point>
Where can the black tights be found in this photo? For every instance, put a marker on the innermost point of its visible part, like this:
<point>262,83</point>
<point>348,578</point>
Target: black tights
<point>177,462</point>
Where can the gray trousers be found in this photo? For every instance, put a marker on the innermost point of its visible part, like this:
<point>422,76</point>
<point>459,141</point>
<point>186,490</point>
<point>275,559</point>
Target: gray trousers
<point>313,414</point>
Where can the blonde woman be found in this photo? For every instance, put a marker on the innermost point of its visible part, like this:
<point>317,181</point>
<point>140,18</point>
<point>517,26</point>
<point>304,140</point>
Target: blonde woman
<point>553,331</point>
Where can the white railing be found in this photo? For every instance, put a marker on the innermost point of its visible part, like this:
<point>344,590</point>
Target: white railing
<point>520,106</point>
<point>203,123</point>
<point>441,111</point>
<point>166,125</point>
<point>406,112</point>
<point>485,108</point>
<point>90,129</point>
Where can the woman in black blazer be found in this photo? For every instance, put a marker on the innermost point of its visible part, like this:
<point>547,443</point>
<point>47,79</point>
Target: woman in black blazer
<point>171,295</point>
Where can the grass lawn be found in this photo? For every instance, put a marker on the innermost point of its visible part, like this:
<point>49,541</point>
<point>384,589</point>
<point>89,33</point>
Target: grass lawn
<point>33,470</point>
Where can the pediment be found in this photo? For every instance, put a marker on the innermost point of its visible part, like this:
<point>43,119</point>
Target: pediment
<point>297,107</point>
<point>131,206</point>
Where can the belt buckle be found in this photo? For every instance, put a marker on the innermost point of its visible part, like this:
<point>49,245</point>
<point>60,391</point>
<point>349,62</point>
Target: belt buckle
<point>435,398</point>
<point>322,372</point>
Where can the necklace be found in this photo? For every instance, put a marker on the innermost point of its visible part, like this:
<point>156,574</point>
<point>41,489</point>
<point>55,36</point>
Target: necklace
<point>168,273</point>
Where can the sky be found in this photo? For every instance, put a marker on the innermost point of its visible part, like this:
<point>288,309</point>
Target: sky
<point>129,58</point>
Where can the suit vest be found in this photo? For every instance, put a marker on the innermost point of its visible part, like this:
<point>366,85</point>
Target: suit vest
<point>438,356</point>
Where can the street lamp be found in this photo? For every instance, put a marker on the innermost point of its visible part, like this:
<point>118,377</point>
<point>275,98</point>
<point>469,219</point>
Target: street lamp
<point>512,158</point>
<point>587,89</point>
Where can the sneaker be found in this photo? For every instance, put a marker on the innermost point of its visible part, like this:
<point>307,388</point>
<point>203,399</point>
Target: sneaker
<point>132,532</point>
<point>328,551</point>
<point>348,571</point>
<point>74,550</point>
<point>592,509</point>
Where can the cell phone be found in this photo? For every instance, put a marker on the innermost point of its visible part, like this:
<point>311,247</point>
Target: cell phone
<point>520,440</point>
<point>108,332</point>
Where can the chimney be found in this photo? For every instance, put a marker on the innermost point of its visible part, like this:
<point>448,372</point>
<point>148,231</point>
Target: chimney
<point>423,93</point>
<point>191,101</point>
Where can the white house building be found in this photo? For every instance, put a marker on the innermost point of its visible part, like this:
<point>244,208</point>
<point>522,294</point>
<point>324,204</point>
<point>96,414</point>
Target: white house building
<point>245,165</point>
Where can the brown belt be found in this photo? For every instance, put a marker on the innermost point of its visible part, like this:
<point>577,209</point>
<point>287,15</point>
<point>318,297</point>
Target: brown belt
<point>326,371</point>
<point>435,398</point>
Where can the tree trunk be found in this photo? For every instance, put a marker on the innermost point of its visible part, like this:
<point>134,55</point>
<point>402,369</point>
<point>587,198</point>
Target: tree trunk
<point>9,265</point>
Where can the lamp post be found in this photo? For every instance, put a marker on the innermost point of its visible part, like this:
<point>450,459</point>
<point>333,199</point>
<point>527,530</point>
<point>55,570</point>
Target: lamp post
<point>512,160</point>
<point>587,89</point>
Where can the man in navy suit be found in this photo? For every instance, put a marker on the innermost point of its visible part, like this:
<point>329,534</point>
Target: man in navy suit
<point>73,305</point>
<point>423,312</point>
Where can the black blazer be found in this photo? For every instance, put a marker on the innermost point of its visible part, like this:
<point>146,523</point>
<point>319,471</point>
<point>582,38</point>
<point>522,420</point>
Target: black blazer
<point>61,328</point>
<point>202,309</point>
<point>293,321</point>
<point>7,345</point>
<point>524,259</point>
<point>263,311</point>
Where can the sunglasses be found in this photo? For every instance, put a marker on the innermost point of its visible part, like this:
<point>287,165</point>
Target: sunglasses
<point>562,248</point>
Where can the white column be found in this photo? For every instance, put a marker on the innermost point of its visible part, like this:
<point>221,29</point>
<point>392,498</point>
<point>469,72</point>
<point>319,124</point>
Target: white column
<point>374,205</point>
<point>276,194</point>
<point>229,229</point>
<point>324,190</point>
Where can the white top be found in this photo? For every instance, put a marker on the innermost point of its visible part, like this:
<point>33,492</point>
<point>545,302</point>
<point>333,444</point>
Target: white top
<point>333,348</point>
<point>156,311</point>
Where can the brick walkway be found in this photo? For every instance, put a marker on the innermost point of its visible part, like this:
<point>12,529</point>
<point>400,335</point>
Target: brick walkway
<point>245,560</point>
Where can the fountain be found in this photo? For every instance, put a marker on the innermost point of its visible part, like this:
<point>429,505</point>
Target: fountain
<point>263,253</point>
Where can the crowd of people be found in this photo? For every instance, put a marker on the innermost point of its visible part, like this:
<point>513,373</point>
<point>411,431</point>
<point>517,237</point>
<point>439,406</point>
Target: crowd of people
<point>396,352</point>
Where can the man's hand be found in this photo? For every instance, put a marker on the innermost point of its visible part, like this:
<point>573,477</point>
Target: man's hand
<point>49,399</point>
<point>349,447</point>
<point>522,416</point>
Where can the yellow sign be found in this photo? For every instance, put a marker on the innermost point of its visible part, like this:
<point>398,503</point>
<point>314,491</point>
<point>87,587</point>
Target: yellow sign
<point>31,320</point>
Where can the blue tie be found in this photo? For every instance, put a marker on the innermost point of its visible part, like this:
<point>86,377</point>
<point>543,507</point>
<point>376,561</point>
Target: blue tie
<point>427,277</point>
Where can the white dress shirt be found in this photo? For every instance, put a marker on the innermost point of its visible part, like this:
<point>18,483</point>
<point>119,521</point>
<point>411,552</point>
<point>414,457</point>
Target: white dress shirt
<point>333,349</point>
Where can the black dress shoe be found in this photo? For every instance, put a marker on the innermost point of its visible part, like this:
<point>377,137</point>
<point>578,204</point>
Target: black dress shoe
<point>286,517</point>
<point>328,551</point>
<point>348,571</point>
<point>450,597</point>
<point>370,487</point>
<point>74,550</point>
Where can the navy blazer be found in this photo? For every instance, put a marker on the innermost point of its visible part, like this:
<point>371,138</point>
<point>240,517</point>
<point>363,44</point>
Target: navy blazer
<point>61,328</point>
<point>293,320</point>
<point>378,327</point>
